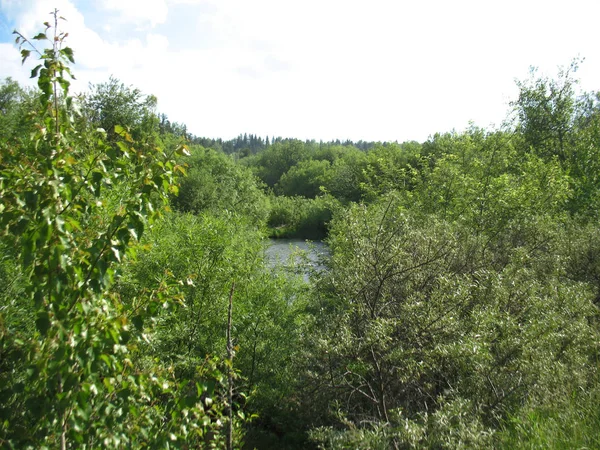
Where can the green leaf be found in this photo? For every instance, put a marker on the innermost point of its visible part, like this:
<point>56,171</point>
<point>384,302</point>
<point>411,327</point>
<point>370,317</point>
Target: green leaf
<point>40,36</point>
<point>107,383</point>
<point>106,360</point>
<point>68,52</point>
<point>183,150</point>
<point>64,84</point>
<point>25,54</point>
<point>34,72</point>
<point>123,147</point>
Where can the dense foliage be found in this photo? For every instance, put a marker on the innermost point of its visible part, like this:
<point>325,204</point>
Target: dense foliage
<point>458,307</point>
<point>73,206</point>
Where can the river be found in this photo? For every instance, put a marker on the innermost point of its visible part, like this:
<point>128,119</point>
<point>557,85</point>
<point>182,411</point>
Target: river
<point>280,251</point>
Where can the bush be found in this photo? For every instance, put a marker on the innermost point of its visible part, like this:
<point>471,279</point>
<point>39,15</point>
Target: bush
<point>300,217</point>
<point>217,184</point>
<point>416,317</point>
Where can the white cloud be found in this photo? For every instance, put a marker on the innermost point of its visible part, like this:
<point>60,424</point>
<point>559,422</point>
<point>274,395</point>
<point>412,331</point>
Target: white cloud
<point>186,2</point>
<point>94,55</point>
<point>157,42</point>
<point>11,64</point>
<point>139,12</point>
<point>322,69</point>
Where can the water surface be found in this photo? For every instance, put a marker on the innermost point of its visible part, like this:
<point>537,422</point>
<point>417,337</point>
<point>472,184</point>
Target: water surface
<point>290,252</point>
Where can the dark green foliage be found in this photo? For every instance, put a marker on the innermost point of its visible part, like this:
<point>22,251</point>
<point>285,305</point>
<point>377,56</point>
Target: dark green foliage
<point>16,329</point>
<point>348,176</point>
<point>276,160</point>
<point>300,217</point>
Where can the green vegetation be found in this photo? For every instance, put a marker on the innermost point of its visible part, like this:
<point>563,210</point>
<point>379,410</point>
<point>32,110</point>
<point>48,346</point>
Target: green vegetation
<point>458,307</point>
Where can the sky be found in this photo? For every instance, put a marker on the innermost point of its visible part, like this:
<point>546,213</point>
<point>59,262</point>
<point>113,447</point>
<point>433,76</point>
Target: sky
<point>373,70</point>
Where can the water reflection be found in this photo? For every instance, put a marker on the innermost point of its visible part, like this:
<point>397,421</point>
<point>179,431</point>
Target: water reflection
<point>304,256</point>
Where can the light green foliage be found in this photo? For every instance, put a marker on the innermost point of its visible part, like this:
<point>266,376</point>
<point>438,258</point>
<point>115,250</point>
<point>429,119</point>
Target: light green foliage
<point>390,167</point>
<point>373,437</point>
<point>112,103</point>
<point>10,95</point>
<point>77,384</point>
<point>215,183</point>
<point>461,305</point>
<point>567,422</point>
<point>422,315</point>
<point>484,183</point>
<point>545,110</point>
<point>207,253</point>
<point>301,217</point>
<point>556,120</point>
<point>330,153</point>
<point>584,158</point>
<point>277,159</point>
<point>15,104</point>
<point>459,308</point>
<point>347,176</point>
<point>453,426</point>
<point>304,179</point>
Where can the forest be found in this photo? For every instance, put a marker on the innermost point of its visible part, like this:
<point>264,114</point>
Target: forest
<point>457,308</point>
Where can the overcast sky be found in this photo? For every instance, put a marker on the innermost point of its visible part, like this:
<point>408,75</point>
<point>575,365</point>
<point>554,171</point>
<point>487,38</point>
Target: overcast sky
<point>379,70</point>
